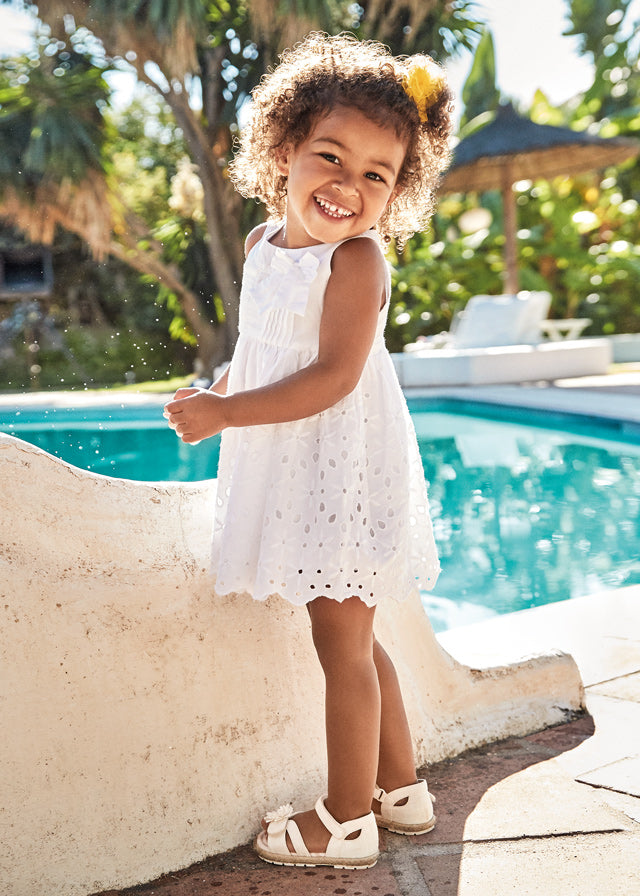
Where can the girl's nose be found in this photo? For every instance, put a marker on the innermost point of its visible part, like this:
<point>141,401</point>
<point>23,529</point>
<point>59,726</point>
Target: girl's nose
<point>345,184</point>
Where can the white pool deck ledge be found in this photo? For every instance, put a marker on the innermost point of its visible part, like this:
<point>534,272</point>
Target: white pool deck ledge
<point>145,726</point>
<point>504,364</point>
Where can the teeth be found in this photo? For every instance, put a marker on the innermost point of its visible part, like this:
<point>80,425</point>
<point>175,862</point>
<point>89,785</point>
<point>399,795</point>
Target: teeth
<point>333,210</point>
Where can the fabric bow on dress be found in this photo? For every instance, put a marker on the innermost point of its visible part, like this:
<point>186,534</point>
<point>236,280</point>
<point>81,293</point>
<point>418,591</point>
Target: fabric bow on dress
<point>275,290</point>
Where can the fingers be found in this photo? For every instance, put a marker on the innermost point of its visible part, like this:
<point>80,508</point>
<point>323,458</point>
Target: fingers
<point>186,391</point>
<point>173,406</point>
<point>173,412</point>
<point>180,428</point>
<point>171,416</point>
<point>190,417</point>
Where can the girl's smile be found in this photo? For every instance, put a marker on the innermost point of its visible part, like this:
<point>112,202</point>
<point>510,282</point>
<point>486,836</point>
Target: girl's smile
<point>332,210</point>
<point>341,179</point>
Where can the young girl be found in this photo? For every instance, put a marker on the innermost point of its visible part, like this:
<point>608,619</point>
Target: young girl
<point>321,497</point>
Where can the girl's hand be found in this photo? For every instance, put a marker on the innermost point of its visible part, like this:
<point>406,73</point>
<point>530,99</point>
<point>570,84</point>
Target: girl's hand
<point>195,414</point>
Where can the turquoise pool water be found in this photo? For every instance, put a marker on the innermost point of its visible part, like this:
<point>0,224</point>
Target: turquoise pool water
<point>528,507</point>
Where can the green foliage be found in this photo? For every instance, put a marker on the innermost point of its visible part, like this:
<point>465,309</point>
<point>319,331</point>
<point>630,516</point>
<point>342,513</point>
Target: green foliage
<point>100,325</point>
<point>51,125</point>
<point>438,273</point>
<point>145,149</point>
<point>184,241</point>
<point>93,357</point>
<point>613,43</point>
<point>156,13</point>
<point>577,237</point>
<point>480,93</point>
<point>596,23</point>
<point>442,30</point>
<point>214,51</point>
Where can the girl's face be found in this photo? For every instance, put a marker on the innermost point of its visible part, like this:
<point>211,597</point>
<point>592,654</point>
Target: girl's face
<point>340,179</point>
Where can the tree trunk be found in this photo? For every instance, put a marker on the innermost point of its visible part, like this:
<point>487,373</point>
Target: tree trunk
<point>225,241</point>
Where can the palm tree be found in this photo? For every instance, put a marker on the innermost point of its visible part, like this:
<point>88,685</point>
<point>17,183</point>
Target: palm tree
<point>203,57</point>
<point>438,28</point>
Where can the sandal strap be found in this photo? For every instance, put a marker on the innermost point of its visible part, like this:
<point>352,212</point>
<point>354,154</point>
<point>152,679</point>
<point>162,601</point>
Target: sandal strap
<point>338,830</point>
<point>394,796</point>
<point>295,836</point>
<point>277,830</point>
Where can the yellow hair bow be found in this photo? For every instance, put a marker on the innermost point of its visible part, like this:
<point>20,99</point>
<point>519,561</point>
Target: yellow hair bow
<point>424,83</point>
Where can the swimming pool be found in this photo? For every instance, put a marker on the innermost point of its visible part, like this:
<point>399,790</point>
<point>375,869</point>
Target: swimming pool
<point>528,507</point>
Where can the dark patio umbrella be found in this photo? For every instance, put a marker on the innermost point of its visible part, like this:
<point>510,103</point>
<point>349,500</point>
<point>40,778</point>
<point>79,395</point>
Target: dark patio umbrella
<point>513,148</point>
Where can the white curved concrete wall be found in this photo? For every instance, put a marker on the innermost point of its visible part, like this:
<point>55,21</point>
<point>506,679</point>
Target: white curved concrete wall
<point>147,723</point>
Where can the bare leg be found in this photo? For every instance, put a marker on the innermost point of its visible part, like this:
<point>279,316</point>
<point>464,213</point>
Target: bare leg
<point>396,764</point>
<point>343,638</point>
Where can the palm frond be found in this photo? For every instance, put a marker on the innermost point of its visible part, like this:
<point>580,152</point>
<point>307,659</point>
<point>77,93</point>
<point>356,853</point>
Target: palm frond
<point>290,20</point>
<point>437,27</point>
<point>82,208</point>
<point>164,30</point>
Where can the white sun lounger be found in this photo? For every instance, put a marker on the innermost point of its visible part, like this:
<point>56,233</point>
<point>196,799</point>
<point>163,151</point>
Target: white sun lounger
<point>499,339</point>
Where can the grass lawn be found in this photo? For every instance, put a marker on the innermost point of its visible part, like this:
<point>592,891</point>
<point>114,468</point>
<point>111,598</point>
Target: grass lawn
<point>177,382</point>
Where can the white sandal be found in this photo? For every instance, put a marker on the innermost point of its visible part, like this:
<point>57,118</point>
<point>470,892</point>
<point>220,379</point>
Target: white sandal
<point>359,852</point>
<point>414,816</point>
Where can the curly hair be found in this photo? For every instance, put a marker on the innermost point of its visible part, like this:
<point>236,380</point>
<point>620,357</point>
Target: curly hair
<point>314,77</point>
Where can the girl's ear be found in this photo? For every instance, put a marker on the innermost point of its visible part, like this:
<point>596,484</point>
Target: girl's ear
<point>282,155</point>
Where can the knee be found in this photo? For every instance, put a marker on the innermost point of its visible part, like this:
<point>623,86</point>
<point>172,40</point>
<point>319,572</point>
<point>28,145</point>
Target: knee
<point>342,639</point>
<point>340,649</point>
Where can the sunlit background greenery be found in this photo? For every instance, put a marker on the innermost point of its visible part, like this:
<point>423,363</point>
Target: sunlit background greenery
<point>147,232</point>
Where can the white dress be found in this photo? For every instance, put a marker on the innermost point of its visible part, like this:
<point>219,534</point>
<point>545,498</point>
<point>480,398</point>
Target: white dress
<point>334,504</point>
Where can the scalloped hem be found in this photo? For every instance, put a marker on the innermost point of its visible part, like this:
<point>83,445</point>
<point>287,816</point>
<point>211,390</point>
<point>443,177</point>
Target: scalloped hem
<point>262,596</point>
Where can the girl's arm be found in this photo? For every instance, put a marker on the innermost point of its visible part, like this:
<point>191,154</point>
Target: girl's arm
<point>352,303</point>
<point>220,385</point>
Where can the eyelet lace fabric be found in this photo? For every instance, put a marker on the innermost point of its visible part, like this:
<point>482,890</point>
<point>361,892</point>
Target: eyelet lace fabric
<point>334,504</point>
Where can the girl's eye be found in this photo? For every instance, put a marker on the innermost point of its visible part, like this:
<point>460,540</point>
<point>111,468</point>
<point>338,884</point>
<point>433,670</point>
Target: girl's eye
<point>373,175</point>
<point>329,156</point>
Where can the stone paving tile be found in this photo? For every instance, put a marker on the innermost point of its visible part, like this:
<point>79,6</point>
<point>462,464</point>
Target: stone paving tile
<point>595,633</point>
<point>616,735</point>
<point>622,775</point>
<point>541,801</point>
<point>240,873</point>
<point>584,865</point>
<point>612,657</point>
<point>626,688</point>
<point>459,784</point>
<point>630,805</point>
